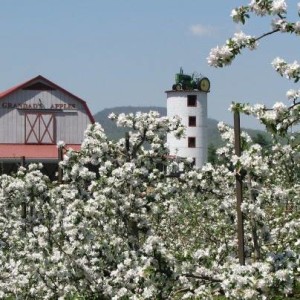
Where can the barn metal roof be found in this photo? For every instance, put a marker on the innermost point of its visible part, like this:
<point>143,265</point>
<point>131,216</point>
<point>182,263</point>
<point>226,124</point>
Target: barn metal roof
<point>39,152</point>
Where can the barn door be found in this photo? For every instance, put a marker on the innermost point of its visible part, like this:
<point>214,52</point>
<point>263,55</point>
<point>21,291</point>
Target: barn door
<point>40,128</point>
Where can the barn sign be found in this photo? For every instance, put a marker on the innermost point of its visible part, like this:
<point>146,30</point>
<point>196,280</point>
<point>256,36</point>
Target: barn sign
<point>35,115</point>
<point>39,105</point>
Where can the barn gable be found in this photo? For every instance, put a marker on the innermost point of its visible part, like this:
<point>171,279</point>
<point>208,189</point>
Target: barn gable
<point>40,83</point>
<point>35,115</point>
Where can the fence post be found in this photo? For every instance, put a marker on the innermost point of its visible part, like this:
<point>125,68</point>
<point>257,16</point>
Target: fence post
<point>127,146</point>
<point>23,205</point>
<point>239,189</point>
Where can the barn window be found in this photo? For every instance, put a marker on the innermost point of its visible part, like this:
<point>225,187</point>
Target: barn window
<point>40,128</point>
<point>192,121</point>
<point>191,142</point>
<point>192,100</point>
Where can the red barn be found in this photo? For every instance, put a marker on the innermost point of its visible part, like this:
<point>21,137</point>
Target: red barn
<point>34,116</point>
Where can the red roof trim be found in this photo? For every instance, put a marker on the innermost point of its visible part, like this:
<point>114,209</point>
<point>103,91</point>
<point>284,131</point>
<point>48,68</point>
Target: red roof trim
<point>33,151</point>
<point>29,82</point>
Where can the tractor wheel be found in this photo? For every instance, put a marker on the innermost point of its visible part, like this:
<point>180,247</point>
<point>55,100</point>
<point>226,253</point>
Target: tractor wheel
<point>178,87</point>
<point>174,87</point>
<point>199,86</point>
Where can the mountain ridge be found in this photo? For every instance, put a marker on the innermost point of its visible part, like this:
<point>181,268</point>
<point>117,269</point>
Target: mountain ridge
<point>114,132</point>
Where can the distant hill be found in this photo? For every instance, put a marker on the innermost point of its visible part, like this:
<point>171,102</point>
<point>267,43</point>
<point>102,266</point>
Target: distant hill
<point>115,132</point>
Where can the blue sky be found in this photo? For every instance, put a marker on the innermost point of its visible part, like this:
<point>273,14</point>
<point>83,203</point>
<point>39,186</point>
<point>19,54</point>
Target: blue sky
<point>119,53</point>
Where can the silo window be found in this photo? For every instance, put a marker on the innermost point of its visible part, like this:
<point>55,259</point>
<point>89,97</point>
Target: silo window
<point>192,100</point>
<point>192,121</point>
<point>191,142</point>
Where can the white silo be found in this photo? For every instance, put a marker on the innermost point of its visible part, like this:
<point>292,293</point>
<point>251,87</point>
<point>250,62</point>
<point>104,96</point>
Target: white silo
<point>188,100</point>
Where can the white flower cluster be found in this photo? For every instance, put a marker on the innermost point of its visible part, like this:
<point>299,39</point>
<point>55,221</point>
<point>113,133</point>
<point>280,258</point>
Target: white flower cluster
<point>60,144</point>
<point>260,8</point>
<point>290,71</point>
<point>220,56</point>
<point>224,55</point>
<point>278,7</point>
<point>293,94</point>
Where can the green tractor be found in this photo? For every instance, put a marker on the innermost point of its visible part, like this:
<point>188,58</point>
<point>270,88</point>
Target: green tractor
<point>184,82</point>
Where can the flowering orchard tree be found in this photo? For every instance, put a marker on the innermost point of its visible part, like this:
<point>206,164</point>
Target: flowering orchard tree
<point>271,176</point>
<point>129,222</point>
<point>98,234</point>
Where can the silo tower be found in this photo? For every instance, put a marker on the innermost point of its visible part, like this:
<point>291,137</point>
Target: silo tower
<point>188,100</point>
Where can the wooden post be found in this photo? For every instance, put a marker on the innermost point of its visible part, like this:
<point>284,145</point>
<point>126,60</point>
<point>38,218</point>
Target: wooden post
<point>127,145</point>
<point>23,205</point>
<point>60,158</point>
<point>239,190</point>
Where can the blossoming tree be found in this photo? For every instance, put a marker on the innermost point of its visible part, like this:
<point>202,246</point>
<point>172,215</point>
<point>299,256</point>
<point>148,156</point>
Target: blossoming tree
<point>279,186</point>
<point>129,222</point>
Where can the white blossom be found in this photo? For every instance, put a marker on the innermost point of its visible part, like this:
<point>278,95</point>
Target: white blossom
<point>278,7</point>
